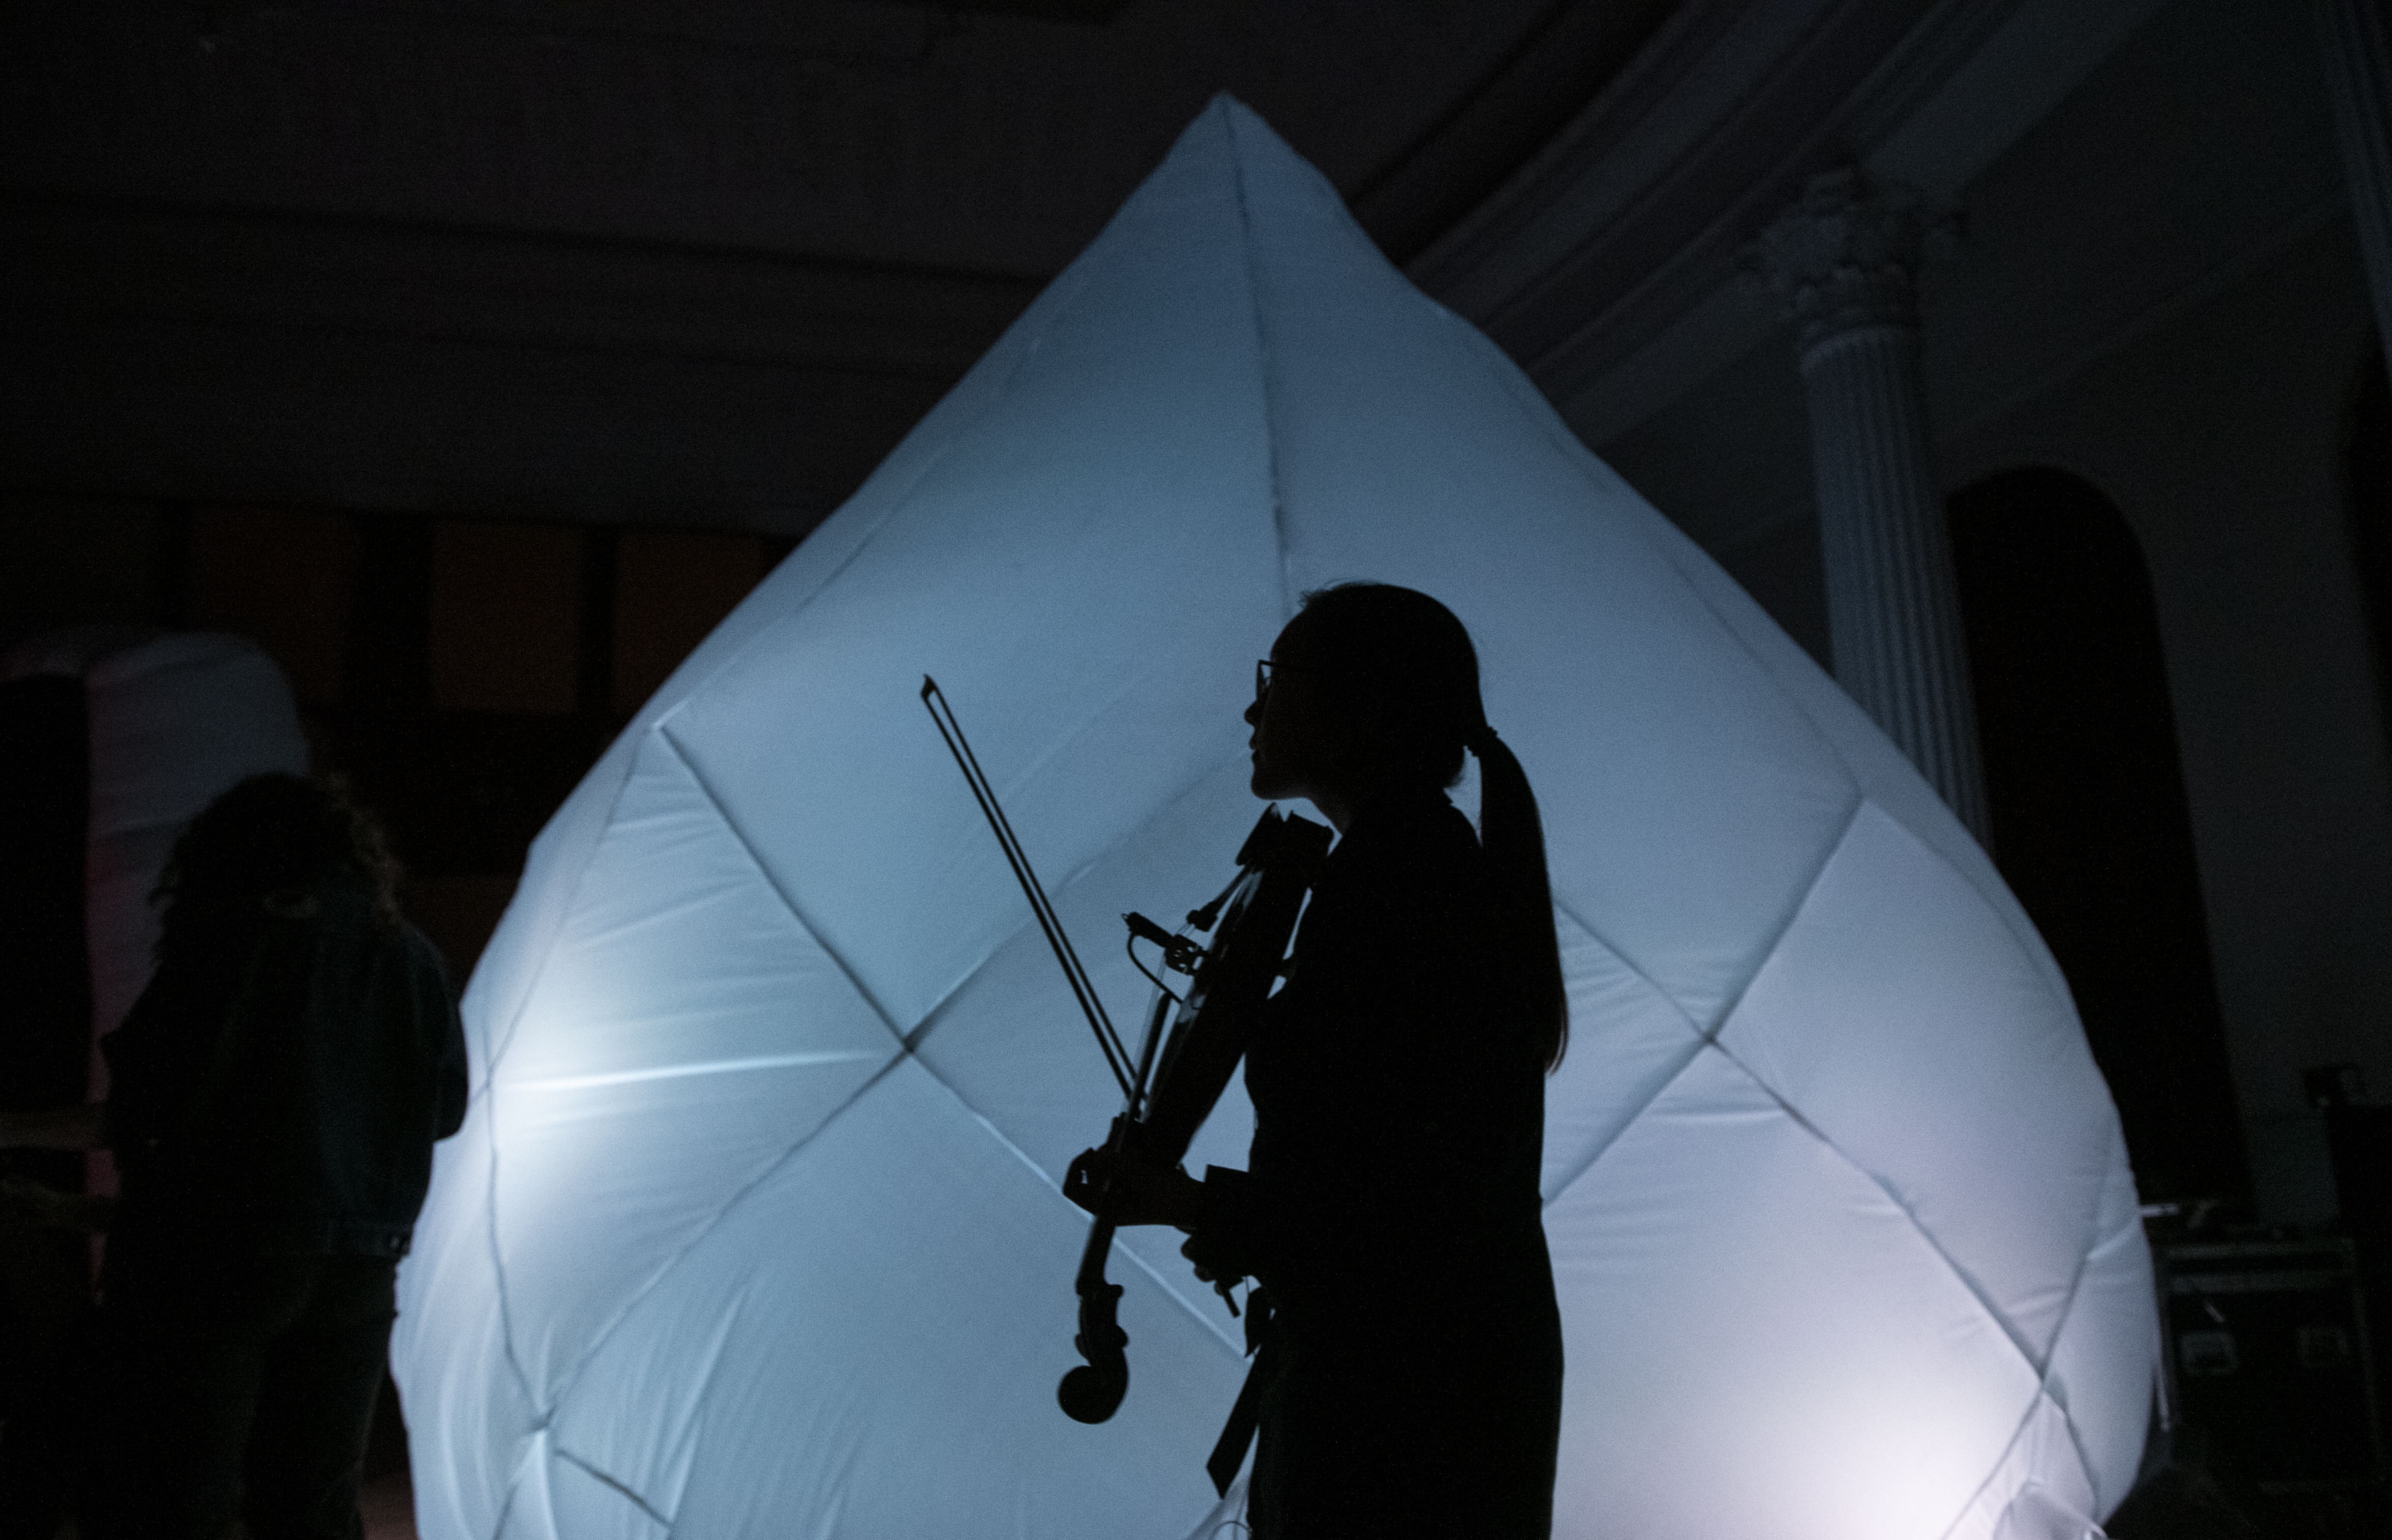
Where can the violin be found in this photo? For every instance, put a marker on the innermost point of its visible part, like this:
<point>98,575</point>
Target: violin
<point>1166,1094</point>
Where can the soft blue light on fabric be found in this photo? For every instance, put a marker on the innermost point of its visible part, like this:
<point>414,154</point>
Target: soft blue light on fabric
<point>754,1228</point>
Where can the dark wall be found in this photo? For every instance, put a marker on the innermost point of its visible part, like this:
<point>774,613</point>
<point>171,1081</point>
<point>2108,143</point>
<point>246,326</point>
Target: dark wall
<point>2367,469</point>
<point>2090,821</point>
<point>464,673</point>
<point>44,972</point>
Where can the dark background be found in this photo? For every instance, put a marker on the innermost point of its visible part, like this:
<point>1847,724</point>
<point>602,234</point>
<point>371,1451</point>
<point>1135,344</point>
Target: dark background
<point>474,358</point>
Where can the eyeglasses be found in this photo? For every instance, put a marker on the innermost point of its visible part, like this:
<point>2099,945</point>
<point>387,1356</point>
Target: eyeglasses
<point>1263,670</point>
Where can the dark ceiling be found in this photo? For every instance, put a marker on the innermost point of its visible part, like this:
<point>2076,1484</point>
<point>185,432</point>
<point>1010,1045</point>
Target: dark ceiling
<point>988,138</point>
<point>677,261</point>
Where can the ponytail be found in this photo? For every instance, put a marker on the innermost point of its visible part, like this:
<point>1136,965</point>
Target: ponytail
<point>1408,663</point>
<point>1513,837</point>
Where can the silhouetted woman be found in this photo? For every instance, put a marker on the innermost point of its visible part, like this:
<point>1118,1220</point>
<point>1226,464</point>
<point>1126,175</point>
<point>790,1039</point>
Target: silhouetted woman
<point>275,1096</point>
<point>1410,1383</point>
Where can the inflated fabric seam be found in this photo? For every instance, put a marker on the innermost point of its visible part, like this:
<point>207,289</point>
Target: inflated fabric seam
<point>1235,1344</point>
<point>670,1265</point>
<point>1262,353</point>
<point>2002,1461</point>
<point>712,1361</point>
<point>1818,874</point>
<point>904,1049</point>
<point>2059,1322</point>
<point>936,1015</point>
<point>2067,1006</point>
<point>1953,1267</point>
<point>1694,1052</point>
<point>1694,1048</point>
<point>797,915</point>
<point>495,1046</point>
<point>516,1482</point>
<point>2044,1379</point>
<point>2130,1226</point>
<point>899,1051</point>
<point>1076,276</point>
<point>2028,940</point>
<point>2009,1332</point>
<point>1709,1039</point>
<point>507,1504</point>
<point>569,1457</point>
<point>897,503</point>
<point>499,1276</point>
<point>2057,992</point>
<point>1642,976</point>
<point>1580,458</point>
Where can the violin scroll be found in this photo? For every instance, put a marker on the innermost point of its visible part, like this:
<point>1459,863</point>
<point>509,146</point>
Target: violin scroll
<point>1093,1391</point>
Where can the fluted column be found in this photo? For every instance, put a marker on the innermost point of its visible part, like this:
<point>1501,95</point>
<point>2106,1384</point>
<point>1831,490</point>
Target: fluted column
<point>1843,259</point>
<point>2358,44</point>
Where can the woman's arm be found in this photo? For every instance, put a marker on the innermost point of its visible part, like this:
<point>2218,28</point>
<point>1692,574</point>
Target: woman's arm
<point>54,1128</point>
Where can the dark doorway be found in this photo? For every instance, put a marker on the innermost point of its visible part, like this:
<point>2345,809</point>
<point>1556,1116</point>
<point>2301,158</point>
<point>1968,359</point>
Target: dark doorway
<point>2089,822</point>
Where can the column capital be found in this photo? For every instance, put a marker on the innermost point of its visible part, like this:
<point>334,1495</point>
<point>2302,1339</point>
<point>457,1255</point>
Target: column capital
<point>1846,254</point>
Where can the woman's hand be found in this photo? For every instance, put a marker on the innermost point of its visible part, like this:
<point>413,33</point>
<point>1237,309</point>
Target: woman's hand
<point>1130,1191</point>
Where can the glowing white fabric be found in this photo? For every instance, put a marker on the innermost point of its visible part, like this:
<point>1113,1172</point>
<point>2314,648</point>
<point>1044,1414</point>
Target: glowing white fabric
<point>753,1229</point>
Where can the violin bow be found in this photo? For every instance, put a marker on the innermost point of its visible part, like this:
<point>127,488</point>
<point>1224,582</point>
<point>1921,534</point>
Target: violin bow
<point>1093,1390</point>
<point>1117,1056</point>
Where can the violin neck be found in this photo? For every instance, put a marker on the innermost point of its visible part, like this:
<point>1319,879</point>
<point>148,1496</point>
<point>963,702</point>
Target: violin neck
<point>1282,856</point>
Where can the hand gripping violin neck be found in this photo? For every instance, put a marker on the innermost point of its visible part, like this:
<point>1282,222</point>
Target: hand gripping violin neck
<point>1165,1099</point>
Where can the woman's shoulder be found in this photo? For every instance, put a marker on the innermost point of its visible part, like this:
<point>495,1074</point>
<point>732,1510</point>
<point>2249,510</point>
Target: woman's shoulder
<point>1409,833</point>
<point>1414,863</point>
<point>429,963</point>
<point>342,917</point>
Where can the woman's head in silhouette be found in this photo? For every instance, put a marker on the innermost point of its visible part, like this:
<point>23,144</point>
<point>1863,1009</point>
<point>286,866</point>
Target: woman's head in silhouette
<point>1371,691</point>
<point>268,841</point>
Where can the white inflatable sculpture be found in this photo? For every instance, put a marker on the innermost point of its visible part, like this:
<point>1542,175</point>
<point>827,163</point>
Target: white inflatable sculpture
<point>754,1231</point>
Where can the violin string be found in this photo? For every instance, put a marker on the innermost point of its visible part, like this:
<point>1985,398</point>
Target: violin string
<point>951,731</point>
